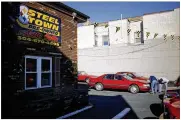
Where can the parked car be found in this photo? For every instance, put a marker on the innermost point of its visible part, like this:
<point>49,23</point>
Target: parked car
<point>134,75</point>
<point>83,76</point>
<point>119,81</point>
<point>171,104</point>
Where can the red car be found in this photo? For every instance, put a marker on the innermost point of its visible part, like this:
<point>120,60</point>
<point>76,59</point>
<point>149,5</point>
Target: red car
<point>119,81</point>
<point>133,75</point>
<point>83,76</point>
<point>172,107</point>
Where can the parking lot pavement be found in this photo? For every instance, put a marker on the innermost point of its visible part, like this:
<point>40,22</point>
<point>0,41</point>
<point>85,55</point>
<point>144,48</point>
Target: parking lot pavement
<point>143,104</point>
<point>108,103</point>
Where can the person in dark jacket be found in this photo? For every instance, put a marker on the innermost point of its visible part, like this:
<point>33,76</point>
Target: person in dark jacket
<point>154,84</point>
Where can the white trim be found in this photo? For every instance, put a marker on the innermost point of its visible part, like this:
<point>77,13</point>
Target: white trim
<point>75,112</point>
<point>122,113</point>
<point>39,71</point>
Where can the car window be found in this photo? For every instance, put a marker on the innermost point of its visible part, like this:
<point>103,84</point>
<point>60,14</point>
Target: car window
<point>127,77</point>
<point>130,75</point>
<point>118,77</point>
<point>109,76</point>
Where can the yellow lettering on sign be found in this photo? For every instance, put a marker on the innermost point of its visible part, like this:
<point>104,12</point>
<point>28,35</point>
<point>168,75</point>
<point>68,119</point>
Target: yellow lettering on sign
<point>51,19</point>
<point>55,27</point>
<point>56,21</point>
<point>45,17</point>
<point>39,14</point>
<point>47,25</point>
<point>31,19</point>
<point>31,12</point>
<point>38,22</point>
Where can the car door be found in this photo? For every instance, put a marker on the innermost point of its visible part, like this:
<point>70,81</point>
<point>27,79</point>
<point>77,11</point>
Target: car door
<point>107,81</point>
<point>120,82</point>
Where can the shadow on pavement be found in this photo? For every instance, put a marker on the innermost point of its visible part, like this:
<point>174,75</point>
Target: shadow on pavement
<point>105,107</point>
<point>156,109</point>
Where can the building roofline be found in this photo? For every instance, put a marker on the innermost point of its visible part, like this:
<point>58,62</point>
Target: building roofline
<point>135,16</point>
<point>62,7</point>
<point>158,12</point>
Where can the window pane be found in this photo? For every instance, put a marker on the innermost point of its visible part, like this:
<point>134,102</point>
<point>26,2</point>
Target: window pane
<point>105,39</point>
<point>30,65</point>
<point>45,79</point>
<point>105,42</point>
<point>118,77</point>
<point>31,80</point>
<point>45,65</point>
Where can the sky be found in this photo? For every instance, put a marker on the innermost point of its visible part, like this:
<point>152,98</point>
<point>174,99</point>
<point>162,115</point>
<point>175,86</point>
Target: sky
<point>106,11</point>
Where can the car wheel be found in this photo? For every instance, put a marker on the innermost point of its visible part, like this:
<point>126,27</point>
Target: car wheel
<point>134,89</point>
<point>99,86</point>
<point>87,80</point>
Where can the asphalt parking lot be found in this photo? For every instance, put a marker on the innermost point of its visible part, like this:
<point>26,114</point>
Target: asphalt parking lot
<point>108,103</point>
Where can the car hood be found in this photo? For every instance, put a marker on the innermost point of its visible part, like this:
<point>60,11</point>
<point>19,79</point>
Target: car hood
<point>92,76</point>
<point>142,81</point>
<point>142,78</point>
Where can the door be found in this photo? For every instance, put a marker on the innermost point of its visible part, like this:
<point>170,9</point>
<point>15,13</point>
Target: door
<point>108,81</point>
<point>120,82</point>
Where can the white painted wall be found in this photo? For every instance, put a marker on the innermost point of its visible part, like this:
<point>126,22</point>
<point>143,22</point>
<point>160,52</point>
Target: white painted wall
<point>162,23</point>
<point>134,26</point>
<point>156,57</point>
<point>120,36</point>
<point>177,21</point>
<point>100,31</point>
<point>85,36</point>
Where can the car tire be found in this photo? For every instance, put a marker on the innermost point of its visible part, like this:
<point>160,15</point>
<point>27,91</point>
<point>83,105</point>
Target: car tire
<point>134,89</point>
<point>99,87</point>
<point>87,80</point>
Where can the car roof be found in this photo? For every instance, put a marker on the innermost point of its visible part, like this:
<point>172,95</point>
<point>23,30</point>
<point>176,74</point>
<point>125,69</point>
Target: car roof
<point>124,72</point>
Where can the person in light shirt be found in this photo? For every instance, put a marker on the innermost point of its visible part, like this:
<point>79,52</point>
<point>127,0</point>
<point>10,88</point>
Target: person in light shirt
<point>163,81</point>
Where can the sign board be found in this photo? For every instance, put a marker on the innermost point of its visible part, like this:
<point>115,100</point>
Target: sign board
<point>37,26</point>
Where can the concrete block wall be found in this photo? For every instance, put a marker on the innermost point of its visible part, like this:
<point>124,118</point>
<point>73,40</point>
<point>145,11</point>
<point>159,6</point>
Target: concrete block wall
<point>121,35</point>
<point>162,23</point>
<point>156,57</point>
<point>85,36</point>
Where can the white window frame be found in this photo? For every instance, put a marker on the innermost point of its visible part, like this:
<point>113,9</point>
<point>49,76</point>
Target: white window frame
<point>39,71</point>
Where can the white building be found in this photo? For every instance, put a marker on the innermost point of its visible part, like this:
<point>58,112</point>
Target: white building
<point>130,30</point>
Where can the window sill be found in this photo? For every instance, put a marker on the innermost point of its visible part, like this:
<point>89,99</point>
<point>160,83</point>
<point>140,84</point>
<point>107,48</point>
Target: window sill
<point>33,88</point>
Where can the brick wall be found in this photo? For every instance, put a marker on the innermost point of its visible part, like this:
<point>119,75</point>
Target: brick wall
<point>68,30</point>
<point>45,102</point>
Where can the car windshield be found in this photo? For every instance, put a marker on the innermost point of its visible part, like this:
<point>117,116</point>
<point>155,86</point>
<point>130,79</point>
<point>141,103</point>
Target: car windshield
<point>131,75</point>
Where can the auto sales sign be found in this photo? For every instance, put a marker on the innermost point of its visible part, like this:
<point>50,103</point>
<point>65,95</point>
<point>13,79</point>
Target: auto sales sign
<point>38,27</point>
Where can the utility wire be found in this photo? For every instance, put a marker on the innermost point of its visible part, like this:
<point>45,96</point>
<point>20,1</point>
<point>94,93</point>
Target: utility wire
<point>128,52</point>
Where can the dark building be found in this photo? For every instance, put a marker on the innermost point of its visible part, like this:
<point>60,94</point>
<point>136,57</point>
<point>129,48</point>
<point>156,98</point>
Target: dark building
<point>39,59</point>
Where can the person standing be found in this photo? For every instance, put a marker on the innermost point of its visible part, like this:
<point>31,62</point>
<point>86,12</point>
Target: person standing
<point>163,81</point>
<point>154,84</point>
